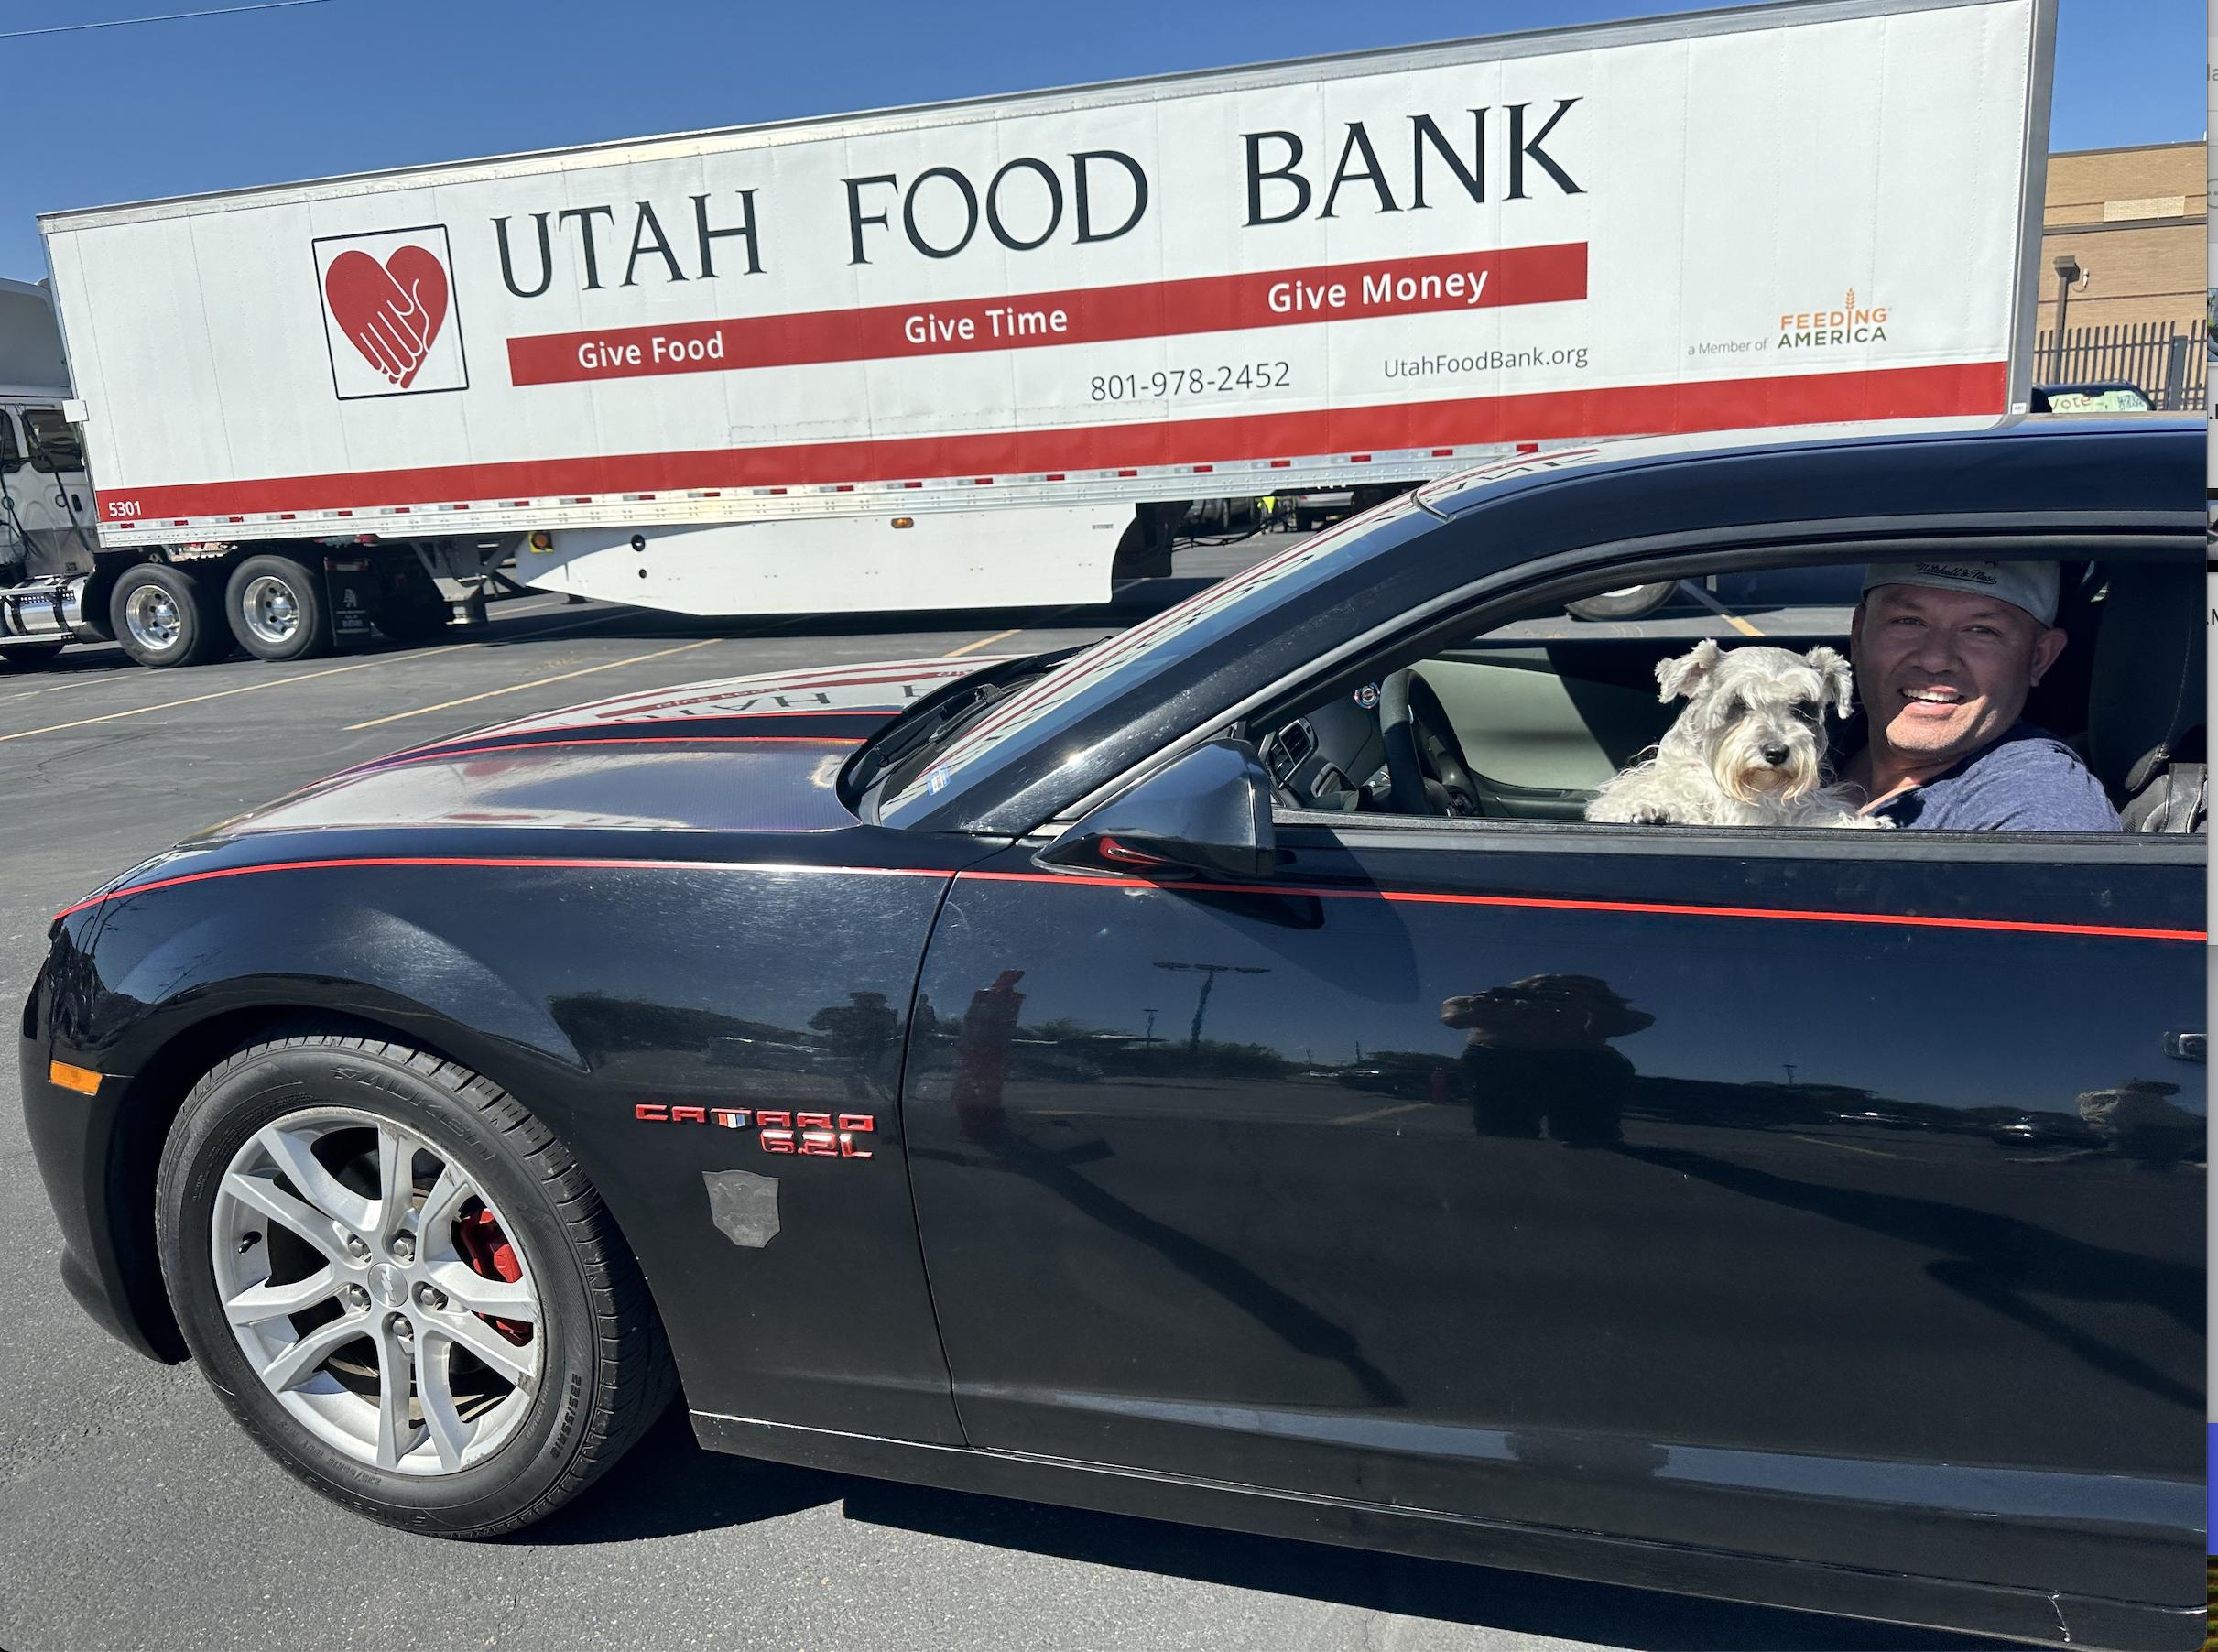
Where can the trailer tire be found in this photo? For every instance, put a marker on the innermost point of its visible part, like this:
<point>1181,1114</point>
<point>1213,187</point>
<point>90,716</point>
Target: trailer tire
<point>276,609</point>
<point>1632,603</point>
<point>163,617</point>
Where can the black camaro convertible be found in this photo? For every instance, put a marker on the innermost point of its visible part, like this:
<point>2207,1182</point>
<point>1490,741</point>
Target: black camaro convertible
<point>1219,1075</point>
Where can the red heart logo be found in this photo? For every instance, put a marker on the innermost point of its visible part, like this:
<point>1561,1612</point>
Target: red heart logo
<point>391,311</point>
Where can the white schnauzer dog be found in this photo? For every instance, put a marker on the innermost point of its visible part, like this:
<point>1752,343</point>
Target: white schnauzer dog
<point>1749,750</point>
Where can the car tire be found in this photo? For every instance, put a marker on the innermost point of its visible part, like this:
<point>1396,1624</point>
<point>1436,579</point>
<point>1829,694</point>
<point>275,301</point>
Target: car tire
<point>274,1200</point>
<point>276,608</point>
<point>165,616</point>
<point>1631,602</point>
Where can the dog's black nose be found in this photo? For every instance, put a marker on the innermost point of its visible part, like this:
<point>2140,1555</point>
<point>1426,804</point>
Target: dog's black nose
<point>1774,755</point>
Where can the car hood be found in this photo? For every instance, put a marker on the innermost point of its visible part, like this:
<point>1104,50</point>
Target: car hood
<point>744,754</point>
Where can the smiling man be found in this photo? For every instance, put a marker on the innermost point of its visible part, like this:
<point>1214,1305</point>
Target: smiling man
<point>1945,654</point>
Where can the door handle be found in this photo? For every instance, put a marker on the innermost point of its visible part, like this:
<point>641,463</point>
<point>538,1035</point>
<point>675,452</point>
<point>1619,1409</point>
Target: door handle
<point>2187,1046</point>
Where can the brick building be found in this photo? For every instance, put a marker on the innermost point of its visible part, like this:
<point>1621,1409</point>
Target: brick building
<point>2134,220</point>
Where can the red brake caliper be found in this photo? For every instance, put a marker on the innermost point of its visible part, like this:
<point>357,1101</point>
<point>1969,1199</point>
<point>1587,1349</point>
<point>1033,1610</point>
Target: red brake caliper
<point>487,1251</point>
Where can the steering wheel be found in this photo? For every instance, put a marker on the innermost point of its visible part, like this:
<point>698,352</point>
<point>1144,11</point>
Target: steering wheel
<point>1424,761</point>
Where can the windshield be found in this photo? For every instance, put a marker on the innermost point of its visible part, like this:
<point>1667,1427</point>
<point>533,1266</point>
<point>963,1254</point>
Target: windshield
<point>2121,398</point>
<point>1088,679</point>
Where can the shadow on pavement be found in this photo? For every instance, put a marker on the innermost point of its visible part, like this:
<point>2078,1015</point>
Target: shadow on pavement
<point>1511,1601</point>
<point>669,1487</point>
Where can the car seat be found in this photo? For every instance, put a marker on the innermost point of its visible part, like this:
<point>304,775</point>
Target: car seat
<point>2144,714</point>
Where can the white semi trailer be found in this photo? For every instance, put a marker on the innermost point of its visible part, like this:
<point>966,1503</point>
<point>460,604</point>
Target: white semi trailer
<point>981,353</point>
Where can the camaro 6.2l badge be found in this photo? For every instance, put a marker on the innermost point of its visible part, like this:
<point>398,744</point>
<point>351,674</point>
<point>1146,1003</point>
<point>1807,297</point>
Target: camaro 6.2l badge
<point>812,1134</point>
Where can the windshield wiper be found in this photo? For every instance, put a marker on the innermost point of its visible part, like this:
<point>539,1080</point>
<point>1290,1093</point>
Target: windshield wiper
<point>939,717</point>
<point>926,734</point>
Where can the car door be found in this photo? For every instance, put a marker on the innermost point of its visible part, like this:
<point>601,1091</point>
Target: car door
<point>1830,1196</point>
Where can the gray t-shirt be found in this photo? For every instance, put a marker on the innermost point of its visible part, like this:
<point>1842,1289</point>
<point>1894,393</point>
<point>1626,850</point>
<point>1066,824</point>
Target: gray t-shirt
<point>2027,781</point>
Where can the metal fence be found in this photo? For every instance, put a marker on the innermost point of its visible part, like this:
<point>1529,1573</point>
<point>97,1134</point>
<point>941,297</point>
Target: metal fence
<point>2168,360</point>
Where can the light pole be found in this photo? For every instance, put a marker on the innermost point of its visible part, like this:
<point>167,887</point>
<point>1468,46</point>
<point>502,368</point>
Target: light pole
<point>2068,276</point>
<point>1209,973</point>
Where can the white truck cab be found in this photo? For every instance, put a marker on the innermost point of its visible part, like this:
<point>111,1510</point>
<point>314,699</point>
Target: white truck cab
<point>47,543</point>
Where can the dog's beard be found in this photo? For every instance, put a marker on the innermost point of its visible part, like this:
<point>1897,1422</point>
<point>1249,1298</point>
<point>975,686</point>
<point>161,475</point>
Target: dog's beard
<point>1736,762</point>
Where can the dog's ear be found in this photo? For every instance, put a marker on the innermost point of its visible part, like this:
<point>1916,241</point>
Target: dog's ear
<point>1687,674</point>
<point>1838,681</point>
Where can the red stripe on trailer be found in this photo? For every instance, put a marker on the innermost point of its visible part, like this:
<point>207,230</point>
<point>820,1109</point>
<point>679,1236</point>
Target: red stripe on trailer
<point>1142,310</point>
<point>1954,390</point>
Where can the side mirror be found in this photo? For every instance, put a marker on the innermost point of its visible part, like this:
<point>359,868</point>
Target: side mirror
<point>1208,814</point>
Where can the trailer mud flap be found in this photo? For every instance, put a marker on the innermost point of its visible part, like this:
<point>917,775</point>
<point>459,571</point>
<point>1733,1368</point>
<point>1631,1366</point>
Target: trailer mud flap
<point>353,588</point>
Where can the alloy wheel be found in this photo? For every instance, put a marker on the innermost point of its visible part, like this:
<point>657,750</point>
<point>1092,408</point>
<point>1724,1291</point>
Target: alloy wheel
<point>377,1292</point>
<point>271,609</point>
<point>151,612</point>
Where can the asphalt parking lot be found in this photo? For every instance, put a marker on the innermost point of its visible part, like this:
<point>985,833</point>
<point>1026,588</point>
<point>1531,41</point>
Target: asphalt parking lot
<point>136,1515</point>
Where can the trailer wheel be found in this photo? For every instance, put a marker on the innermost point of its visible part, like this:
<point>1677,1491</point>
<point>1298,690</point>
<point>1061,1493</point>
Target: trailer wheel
<point>276,609</point>
<point>1631,602</point>
<point>164,616</point>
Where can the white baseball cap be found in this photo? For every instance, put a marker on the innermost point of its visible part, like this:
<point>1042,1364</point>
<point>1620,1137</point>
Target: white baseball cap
<point>2028,586</point>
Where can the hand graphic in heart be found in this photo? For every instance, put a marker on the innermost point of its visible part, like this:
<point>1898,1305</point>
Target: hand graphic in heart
<point>391,311</point>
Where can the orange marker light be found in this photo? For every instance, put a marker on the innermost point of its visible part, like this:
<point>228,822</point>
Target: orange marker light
<point>82,1079</point>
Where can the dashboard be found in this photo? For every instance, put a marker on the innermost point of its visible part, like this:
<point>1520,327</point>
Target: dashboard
<point>1330,757</point>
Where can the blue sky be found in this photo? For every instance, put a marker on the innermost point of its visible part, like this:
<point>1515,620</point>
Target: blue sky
<point>346,85</point>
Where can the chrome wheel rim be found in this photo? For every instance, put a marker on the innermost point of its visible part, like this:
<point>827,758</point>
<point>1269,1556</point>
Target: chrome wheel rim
<point>150,613</point>
<point>377,1292</point>
<point>271,609</point>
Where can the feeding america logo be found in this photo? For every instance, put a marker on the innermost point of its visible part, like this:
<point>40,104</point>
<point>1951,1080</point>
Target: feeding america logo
<point>388,313</point>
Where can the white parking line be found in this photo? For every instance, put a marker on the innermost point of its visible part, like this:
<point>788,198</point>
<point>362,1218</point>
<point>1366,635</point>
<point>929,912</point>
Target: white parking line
<point>127,672</point>
<point>1376,1112</point>
<point>982,642</point>
<point>1819,1141</point>
<point>1044,623</point>
<point>518,687</point>
<point>251,687</point>
<point>1718,608</point>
